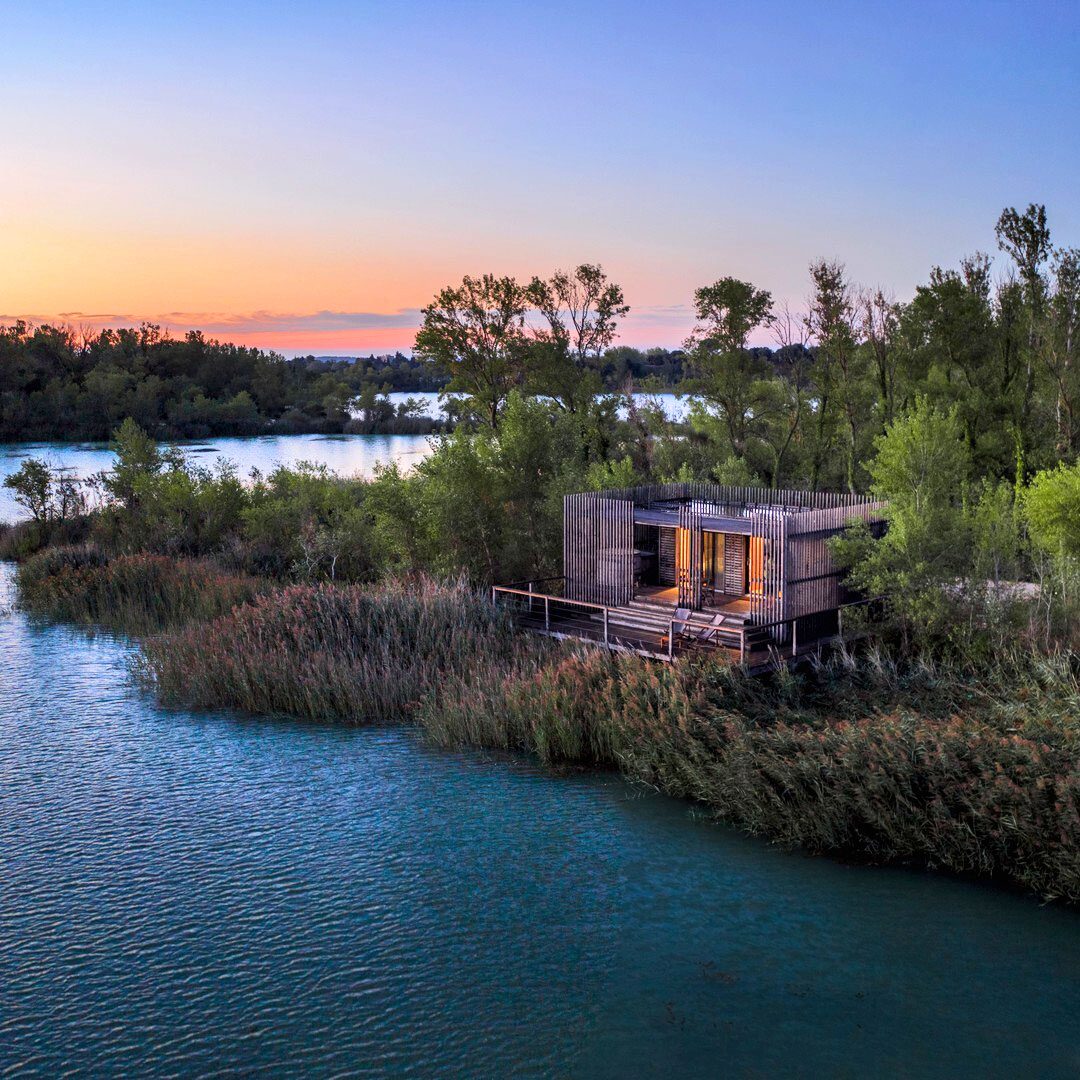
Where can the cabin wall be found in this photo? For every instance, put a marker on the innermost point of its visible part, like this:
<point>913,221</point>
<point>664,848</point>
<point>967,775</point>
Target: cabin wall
<point>598,548</point>
<point>734,564</point>
<point>813,582</point>
<point>666,562</point>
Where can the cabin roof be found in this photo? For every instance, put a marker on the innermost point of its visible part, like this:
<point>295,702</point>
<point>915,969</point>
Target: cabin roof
<point>728,509</point>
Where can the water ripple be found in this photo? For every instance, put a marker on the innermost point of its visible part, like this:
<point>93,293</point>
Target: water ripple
<point>190,895</point>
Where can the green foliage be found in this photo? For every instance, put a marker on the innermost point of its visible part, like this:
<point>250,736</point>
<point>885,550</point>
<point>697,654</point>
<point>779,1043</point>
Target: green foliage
<point>49,494</point>
<point>1052,510</point>
<point>489,502</point>
<point>308,524</point>
<point>921,468</point>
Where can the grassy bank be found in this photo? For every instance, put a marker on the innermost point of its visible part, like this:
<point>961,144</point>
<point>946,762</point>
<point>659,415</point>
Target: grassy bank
<point>860,757</point>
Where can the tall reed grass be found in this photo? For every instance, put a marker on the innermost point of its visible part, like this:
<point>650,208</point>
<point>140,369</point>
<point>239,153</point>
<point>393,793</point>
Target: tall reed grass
<point>331,652</point>
<point>990,786</point>
<point>138,594</point>
<point>972,769</point>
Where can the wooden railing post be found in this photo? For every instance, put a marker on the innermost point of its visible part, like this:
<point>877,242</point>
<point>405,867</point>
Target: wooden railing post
<point>547,614</point>
<point>742,645</point>
<point>794,637</point>
<point>840,623</point>
<point>671,641</point>
<point>605,626</point>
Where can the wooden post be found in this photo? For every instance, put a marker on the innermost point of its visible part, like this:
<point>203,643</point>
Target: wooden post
<point>530,597</point>
<point>605,626</point>
<point>547,614</point>
<point>794,637</point>
<point>742,645</point>
<point>671,641</point>
<point>840,623</point>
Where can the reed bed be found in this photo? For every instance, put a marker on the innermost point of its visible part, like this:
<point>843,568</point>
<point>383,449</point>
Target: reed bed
<point>863,756</point>
<point>990,788</point>
<point>137,594</point>
<point>359,655</point>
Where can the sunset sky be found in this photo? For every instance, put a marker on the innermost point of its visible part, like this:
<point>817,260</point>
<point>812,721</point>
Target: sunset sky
<point>305,176</point>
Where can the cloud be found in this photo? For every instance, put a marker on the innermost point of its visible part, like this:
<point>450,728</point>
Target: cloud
<point>662,314</point>
<point>254,322</point>
<point>265,322</point>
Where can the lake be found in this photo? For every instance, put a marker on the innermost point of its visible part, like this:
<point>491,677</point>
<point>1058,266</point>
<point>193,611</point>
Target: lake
<point>350,455</point>
<point>353,455</point>
<point>187,894</point>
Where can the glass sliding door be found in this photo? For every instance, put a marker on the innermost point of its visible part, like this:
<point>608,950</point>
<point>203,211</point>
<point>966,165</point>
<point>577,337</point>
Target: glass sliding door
<point>712,562</point>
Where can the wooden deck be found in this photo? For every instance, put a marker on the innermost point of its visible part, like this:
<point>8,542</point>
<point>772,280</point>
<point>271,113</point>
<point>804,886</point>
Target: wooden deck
<point>648,627</point>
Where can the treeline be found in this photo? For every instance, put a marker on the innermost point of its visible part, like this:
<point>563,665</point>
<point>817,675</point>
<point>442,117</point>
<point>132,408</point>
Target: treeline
<point>1000,343</point>
<point>59,383</point>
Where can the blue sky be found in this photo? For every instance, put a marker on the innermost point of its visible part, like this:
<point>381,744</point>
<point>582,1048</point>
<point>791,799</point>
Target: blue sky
<point>331,165</point>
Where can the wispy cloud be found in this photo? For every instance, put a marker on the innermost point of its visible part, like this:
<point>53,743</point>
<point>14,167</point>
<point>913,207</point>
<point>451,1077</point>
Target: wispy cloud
<point>254,322</point>
<point>266,322</point>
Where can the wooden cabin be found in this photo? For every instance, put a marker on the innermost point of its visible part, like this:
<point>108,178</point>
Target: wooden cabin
<point>668,568</point>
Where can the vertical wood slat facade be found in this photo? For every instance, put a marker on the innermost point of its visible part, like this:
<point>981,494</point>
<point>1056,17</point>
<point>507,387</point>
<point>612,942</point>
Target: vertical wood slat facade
<point>688,556</point>
<point>812,582</point>
<point>793,571</point>
<point>598,548</point>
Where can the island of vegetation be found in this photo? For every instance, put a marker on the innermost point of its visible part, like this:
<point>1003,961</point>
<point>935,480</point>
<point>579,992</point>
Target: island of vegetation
<point>947,735</point>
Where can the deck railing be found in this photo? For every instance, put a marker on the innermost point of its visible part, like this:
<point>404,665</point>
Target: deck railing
<point>681,636</point>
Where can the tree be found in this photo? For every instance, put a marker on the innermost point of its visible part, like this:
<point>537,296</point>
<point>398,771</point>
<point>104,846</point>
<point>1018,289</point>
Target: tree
<point>47,493</point>
<point>582,312</point>
<point>731,378</point>
<point>1052,510</point>
<point>921,468</point>
<point>844,399</point>
<point>879,322</point>
<point>475,333</point>
<point>1061,346</point>
<point>1026,239</point>
<point>31,487</point>
<point>137,456</point>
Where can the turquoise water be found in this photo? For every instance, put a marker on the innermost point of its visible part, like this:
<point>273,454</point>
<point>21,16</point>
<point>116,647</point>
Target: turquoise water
<point>187,894</point>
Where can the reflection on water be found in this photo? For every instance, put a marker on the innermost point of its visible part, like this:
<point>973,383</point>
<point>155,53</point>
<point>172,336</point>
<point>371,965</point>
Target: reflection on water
<point>192,894</point>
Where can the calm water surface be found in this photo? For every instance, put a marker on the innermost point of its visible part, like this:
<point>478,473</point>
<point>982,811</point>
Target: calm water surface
<point>350,455</point>
<point>188,894</point>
